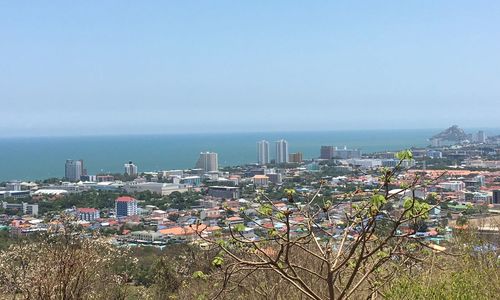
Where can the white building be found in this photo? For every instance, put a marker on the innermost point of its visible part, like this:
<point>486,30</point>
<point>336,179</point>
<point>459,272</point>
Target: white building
<point>261,180</point>
<point>487,164</point>
<point>13,186</point>
<point>263,152</point>
<point>131,169</point>
<point>345,153</point>
<point>281,152</point>
<point>481,137</point>
<point>454,186</point>
<point>367,163</point>
<point>436,142</point>
<point>28,209</point>
<point>208,162</point>
<point>88,214</point>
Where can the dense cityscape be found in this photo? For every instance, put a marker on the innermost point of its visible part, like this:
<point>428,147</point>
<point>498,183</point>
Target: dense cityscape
<point>471,182</point>
<point>164,208</point>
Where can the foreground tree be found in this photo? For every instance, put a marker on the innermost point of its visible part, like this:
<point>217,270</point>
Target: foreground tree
<point>326,249</point>
<point>64,264</point>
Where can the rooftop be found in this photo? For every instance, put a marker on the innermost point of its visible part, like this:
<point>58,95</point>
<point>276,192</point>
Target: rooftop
<point>125,199</point>
<point>87,210</point>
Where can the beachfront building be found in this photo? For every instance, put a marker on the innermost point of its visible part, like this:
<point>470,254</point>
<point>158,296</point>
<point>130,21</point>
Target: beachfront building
<point>131,169</point>
<point>208,162</point>
<point>281,152</point>
<point>296,157</point>
<point>263,152</point>
<point>73,169</point>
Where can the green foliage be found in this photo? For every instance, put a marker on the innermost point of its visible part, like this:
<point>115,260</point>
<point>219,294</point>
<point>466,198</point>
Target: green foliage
<point>462,220</point>
<point>468,283</point>
<point>378,200</point>
<point>431,198</point>
<point>265,209</point>
<point>272,232</point>
<point>416,208</point>
<point>280,216</point>
<point>199,275</point>
<point>239,228</point>
<point>218,261</point>
<point>405,154</point>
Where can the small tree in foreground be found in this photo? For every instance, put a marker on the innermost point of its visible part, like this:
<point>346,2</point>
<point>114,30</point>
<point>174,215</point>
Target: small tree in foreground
<point>63,263</point>
<point>325,249</point>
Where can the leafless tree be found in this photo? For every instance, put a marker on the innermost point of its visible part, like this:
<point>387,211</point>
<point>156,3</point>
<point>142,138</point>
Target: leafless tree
<point>313,256</point>
<point>65,263</point>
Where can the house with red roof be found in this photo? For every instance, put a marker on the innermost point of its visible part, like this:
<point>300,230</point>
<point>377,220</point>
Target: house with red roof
<point>88,214</point>
<point>125,206</point>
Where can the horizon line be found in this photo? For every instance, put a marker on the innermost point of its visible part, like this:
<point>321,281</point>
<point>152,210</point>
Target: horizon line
<point>118,134</point>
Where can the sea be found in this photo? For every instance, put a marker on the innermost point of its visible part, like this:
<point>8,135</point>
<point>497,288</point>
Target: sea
<point>32,158</point>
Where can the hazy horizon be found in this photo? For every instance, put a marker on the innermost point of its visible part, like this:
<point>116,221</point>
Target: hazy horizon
<point>105,68</point>
<point>468,130</point>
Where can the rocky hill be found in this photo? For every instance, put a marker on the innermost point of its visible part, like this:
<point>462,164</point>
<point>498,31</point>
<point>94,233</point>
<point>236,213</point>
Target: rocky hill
<point>453,133</point>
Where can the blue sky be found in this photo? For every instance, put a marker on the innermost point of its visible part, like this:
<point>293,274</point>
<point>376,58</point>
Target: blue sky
<point>101,67</point>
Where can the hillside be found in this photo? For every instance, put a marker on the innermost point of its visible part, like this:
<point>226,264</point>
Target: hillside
<point>453,133</point>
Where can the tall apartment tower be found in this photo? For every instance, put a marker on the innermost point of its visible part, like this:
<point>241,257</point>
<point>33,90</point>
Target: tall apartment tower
<point>208,161</point>
<point>263,152</point>
<point>281,152</point>
<point>481,137</point>
<point>327,152</point>
<point>131,169</point>
<point>73,169</point>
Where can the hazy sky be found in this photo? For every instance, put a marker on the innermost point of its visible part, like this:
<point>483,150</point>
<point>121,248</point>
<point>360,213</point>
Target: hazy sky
<point>93,67</point>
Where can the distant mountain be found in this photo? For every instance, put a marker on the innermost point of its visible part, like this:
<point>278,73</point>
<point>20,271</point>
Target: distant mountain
<point>454,134</point>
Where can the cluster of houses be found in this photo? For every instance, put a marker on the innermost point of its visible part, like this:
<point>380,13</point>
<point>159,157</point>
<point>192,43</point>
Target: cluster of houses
<point>225,201</point>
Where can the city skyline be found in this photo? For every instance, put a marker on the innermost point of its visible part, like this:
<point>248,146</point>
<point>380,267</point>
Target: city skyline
<point>69,68</point>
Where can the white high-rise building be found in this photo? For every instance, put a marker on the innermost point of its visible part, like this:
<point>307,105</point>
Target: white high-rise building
<point>131,169</point>
<point>208,161</point>
<point>263,152</point>
<point>281,152</point>
<point>73,169</point>
<point>481,137</point>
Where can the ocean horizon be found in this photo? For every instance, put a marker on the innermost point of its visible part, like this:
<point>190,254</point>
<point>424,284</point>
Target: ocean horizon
<point>32,158</point>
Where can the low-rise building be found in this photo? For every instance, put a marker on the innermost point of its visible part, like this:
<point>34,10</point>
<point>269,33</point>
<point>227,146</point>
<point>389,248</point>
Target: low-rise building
<point>213,213</point>
<point>224,192</point>
<point>453,185</point>
<point>25,208</point>
<point>261,180</point>
<point>14,194</point>
<point>88,214</point>
<point>191,180</point>
<point>145,236</point>
<point>275,178</point>
<point>105,178</point>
